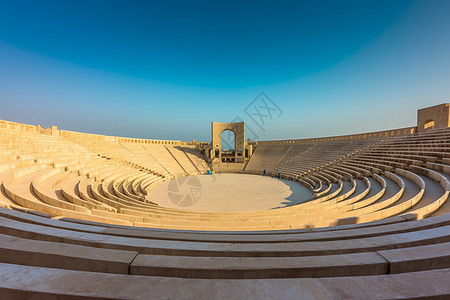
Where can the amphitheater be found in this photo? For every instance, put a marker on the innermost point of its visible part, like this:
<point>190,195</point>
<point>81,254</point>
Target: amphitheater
<point>362,216</point>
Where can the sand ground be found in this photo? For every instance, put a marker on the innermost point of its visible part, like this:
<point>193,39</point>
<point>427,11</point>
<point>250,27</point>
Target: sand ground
<point>228,192</point>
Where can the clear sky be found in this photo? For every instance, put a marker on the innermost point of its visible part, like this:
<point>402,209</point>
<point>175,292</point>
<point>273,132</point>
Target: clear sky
<point>166,69</point>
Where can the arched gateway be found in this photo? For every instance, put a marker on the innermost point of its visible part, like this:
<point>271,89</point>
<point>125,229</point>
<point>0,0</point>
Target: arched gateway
<point>233,159</point>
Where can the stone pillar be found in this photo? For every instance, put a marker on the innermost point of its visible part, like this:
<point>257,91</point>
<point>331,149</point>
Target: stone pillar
<point>55,131</point>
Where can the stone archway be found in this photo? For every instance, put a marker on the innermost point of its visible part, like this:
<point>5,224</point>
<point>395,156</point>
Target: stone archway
<point>239,139</point>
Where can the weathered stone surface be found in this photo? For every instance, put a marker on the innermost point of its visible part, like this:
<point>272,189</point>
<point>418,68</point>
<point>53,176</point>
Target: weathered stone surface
<point>43,283</point>
<point>418,285</point>
<point>65,256</point>
<point>150,246</point>
<point>429,257</point>
<point>355,264</point>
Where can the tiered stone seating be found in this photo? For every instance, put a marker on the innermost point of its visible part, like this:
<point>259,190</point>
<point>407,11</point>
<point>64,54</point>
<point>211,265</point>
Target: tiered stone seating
<point>166,160</point>
<point>345,253</point>
<point>196,158</point>
<point>266,156</point>
<point>75,222</point>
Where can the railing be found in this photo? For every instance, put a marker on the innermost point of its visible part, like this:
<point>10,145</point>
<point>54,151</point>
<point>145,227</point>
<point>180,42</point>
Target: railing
<point>17,126</point>
<point>378,134</point>
<point>97,137</point>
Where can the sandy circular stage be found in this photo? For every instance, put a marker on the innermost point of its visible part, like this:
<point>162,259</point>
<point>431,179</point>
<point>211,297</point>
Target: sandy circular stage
<point>228,192</point>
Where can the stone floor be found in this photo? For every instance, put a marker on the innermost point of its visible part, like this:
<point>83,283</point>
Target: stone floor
<point>228,192</point>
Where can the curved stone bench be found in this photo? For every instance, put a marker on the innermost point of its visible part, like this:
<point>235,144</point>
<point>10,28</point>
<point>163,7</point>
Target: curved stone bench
<point>182,248</point>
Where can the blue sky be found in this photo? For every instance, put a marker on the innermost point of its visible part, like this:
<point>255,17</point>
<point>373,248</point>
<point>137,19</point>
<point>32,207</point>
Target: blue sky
<point>167,69</point>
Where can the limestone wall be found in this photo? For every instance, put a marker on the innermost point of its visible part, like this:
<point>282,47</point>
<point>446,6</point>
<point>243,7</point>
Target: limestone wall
<point>53,130</point>
<point>18,126</point>
<point>433,117</point>
<point>378,134</point>
<point>97,137</point>
<point>108,138</point>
